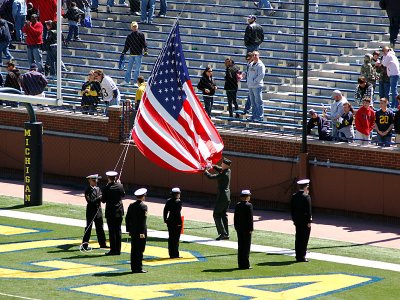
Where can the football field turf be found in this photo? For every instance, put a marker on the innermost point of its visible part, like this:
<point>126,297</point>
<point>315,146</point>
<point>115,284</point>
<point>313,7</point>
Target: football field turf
<point>41,260</point>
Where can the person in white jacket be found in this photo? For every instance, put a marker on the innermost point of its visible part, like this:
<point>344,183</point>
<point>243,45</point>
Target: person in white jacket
<point>390,61</point>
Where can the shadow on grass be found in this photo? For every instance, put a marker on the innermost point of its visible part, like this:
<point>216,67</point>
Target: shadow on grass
<point>276,263</point>
<point>221,270</point>
<point>114,274</point>
<point>18,206</point>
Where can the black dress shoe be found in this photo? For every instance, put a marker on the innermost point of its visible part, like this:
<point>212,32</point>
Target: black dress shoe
<point>139,271</point>
<point>302,260</point>
<point>245,268</point>
<point>112,253</point>
<point>104,246</point>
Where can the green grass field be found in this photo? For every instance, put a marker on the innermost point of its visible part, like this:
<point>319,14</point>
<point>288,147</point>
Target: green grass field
<point>45,263</point>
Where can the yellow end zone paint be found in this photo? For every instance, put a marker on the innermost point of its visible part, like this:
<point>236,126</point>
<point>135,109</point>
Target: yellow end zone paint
<point>63,269</point>
<point>11,230</point>
<point>308,286</point>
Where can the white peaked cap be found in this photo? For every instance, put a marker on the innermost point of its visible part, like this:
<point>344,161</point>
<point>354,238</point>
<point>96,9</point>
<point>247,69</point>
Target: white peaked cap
<point>140,192</point>
<point>176,190</point>
<point>303,181</point>
<point>111,173</point>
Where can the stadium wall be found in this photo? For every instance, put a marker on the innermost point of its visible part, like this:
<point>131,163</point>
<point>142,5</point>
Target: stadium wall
<point>75,146</point>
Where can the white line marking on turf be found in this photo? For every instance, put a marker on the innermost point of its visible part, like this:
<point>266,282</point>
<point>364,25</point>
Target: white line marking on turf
<point>19,297</point>
<point>210,242</point>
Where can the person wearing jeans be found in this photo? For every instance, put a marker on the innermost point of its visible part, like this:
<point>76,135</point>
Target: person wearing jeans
<point>34,40</point>
<point>19,10</point>
<point>147,11</point>
<point>163,8</point>
<point>255,83</point>
<point>136,44</point>
<point>111,3</point>
<point>390,61</point>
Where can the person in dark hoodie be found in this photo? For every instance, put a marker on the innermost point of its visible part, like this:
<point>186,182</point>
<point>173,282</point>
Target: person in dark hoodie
<point>74,15</point>
<point>207,86</point>
<point>392,8</point>
<point>322,124</point>
<point>5,39</point>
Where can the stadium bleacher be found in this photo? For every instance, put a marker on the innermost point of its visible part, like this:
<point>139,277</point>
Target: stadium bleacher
<point>339,36</point>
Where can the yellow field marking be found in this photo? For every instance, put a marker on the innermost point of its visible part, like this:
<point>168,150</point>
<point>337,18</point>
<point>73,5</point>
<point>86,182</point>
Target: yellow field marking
<point>313,285</point>
<point>36,245</point>
<point>11,230</point>
<point>63,269</point>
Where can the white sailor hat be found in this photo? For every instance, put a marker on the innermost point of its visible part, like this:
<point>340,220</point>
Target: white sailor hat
<point>140,192</point>
<point>176,190</point>
<point>93,176</point>
<point>111,173</point>
<point>303,181</point>
<point>245,193</point>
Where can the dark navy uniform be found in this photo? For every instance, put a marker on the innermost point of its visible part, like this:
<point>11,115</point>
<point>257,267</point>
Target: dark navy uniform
<point>301,215</point>
<point>112,197</point>
<point>243,221</point>
<point>223,199</point>
<point>136,218</point>
<point>173,218</point>
<point>94,215</point>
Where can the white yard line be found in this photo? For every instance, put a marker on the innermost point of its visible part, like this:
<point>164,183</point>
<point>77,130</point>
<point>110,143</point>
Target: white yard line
<point>210,242</point>
<point>19,297</point>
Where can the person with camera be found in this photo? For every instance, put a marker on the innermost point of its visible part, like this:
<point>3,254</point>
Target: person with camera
<point>34,40</point>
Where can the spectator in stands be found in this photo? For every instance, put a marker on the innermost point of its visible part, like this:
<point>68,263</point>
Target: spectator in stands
<point>384,80</point>
<point>30,11</point>
<point>147,11</point>
<point>365,122</point>
<point>254,34</point>
<point>74,15</point>
<point>34,40</point>
<point>390,61</point>
<point>134,7</point>
<point>136,44</point>
<point>81,4</point>
<point>345,124</point>
<point>163,9</point>
<point>384,119</point>
<point>19,12</point>
<point>255,83</point>
<point>90,91</point>
<point>33,83</point>
<point>322,125</point>
<point>5,39</point>
<point>363,89</point>
<point>50,45</point>
<point>109,90</point>
<point>336,111</point>
<point>265,4</point>
<point>208,87</point>
<point>249,59</point>
<point>12,81</point>
<point>396,123</point>
<point>111,3</point>
<point>392,8</point>
<point>368,71</point>
<point>232,76</point>
<point>140,91</point>
<point>47,12</point>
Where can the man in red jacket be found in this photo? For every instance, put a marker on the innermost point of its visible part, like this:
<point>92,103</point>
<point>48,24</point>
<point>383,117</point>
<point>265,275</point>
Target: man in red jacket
<point>34,39</point>
<point>365,121</point>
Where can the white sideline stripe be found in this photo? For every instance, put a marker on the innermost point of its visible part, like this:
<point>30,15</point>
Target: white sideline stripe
<point>19,297</point>
<point>210,242</point>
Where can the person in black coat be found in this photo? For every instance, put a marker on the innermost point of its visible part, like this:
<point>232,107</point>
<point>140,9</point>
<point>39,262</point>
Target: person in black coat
<point>243,222</point>
<point>94,213</point>
<point>136,218</point>
<point>322,125</point>
<point>232,76</point>
<point>392,8</point>
<point>207,86</point>
<point>300,206</point>
<point>112,196</point>
<point>223,176</point>
<point>173,219</point>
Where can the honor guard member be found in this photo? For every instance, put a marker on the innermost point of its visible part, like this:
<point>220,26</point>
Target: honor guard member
<point>173,219</point>
<point>112,197</point>
<point>94,213</point>
<point>136,218</point>
<point>300,206</point>
<point>223,176</point>
<point>243,221</point>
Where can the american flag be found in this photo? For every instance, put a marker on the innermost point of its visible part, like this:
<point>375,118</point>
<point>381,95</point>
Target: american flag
<point>171,127</point>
